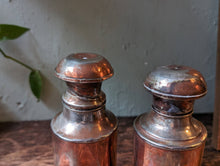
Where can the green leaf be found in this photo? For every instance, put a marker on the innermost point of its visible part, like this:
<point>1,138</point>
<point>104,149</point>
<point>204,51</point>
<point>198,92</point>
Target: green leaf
<point>35,81</point>
<point>10,32</point>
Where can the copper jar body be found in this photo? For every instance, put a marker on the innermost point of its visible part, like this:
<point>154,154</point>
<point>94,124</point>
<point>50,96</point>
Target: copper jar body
<point>84,133</point>
<point>169,135</point>
<point>91,151</point>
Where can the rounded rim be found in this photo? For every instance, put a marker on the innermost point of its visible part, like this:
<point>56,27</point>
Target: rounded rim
<point>180,82</point>
<point>84,68</point>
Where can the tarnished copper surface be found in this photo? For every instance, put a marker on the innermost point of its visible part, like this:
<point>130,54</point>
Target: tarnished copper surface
<point>84,126</point>
<point>169,135</point>
<point>84,132</point>
<point>84,67</point>
<point>99,153</point>
<point>147,155</point>
<point>172,133</point>
<point>176,82</point>
<point>29,143</point>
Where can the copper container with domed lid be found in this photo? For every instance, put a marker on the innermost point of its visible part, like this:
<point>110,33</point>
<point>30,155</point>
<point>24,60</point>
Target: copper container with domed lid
<point>168,135</point>
<point>84,133</point>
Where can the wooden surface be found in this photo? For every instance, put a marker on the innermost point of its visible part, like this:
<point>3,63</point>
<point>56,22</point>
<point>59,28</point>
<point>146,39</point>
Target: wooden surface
<point>29,143</point>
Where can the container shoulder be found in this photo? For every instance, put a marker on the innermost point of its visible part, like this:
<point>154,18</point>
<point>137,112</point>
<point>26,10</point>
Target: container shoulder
<point>170,133</point>
<point>84,127</point>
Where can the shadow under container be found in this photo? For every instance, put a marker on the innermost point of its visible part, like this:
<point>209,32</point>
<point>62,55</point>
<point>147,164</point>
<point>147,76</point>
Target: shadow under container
<point>84,134</point>
<point>169,135</point>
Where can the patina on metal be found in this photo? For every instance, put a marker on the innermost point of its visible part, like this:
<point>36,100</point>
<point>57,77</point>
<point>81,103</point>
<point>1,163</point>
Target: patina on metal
<point>84,133</point>
<point>168,135</point>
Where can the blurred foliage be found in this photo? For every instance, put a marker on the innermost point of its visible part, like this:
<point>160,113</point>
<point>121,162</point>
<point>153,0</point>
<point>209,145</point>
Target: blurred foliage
<point>11,32</point>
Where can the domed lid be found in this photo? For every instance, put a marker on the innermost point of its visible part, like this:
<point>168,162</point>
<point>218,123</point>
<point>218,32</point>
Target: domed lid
<point>84,68</point>
<point>176,82</point>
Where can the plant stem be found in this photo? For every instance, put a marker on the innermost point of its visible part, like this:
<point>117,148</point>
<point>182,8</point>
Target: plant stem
<point>15,60</point>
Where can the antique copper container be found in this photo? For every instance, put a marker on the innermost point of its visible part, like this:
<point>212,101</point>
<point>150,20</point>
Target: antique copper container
<point>84,133</point>
<point>169,135</point>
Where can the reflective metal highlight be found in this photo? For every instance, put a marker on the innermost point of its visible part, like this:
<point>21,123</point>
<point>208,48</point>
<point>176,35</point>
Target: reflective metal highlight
<point>169,135</point>
<point>84,133</point>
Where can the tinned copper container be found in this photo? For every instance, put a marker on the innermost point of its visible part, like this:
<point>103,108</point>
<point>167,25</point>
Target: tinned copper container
<point>168,135</point>
<point>84,133</point>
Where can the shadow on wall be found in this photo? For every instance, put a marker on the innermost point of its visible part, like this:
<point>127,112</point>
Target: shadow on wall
<point>50,96</point>
<point>6,114</point>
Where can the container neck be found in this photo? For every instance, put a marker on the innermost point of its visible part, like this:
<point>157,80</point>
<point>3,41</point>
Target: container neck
<point>173,107</point>
<point>84,96</point>
<point>90,90</point>
<point>83,116</point>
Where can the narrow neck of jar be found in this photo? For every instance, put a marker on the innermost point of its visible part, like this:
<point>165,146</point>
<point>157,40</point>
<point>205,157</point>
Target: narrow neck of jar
<point>90,90</point>
<point>83,96</point>
<point>172,107</point>
<point>80,116</point>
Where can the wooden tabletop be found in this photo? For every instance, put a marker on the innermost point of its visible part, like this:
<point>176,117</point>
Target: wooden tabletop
<point>29,143</point>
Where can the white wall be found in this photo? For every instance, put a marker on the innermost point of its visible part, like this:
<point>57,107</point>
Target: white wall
<point>134,35</point>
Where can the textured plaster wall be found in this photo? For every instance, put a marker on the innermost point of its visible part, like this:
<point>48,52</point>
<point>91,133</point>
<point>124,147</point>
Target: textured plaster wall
<point>134,35</point>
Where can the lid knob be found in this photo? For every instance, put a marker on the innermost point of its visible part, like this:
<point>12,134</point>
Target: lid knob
<point>176,82</point>
<point>84,68</point>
